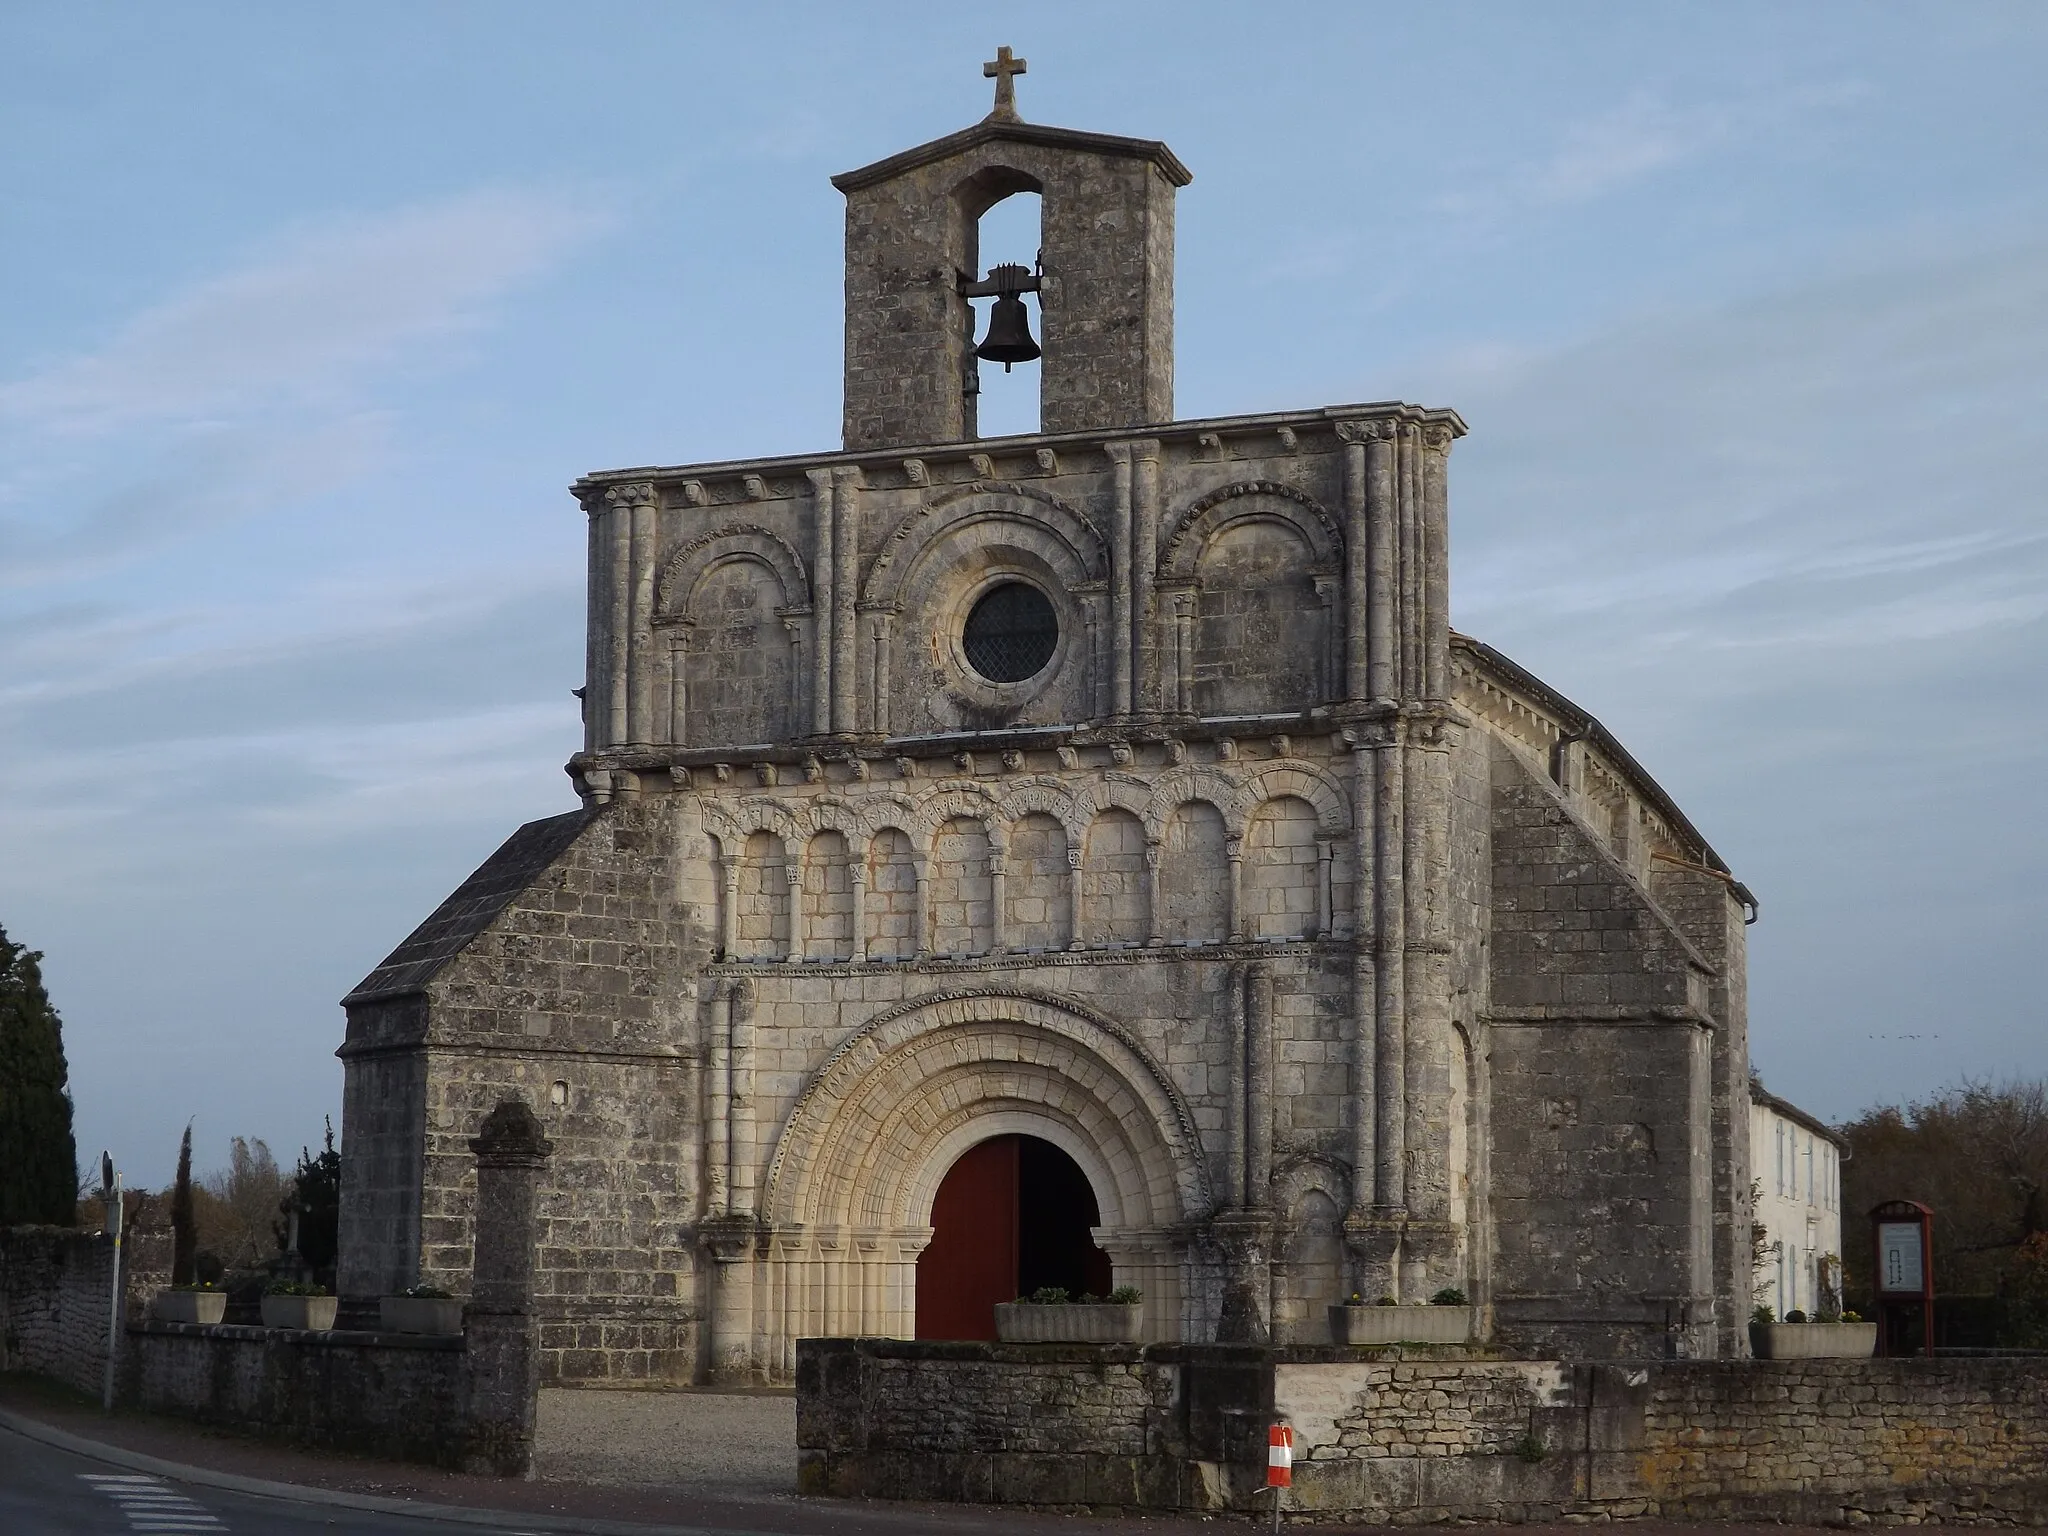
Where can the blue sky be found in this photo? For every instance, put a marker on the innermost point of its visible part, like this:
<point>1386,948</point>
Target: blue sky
<point>314,313</point>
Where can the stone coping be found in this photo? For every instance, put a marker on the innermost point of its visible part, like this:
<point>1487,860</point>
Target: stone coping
<point>333,1338</point>
<point>1134,1354</point>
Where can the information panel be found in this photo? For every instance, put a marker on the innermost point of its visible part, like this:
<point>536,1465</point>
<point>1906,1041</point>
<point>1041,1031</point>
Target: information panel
<point>1901,1269</point>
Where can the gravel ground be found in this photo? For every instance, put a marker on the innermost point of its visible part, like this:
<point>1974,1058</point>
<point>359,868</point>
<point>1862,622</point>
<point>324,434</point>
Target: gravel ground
<point>721,1443</point>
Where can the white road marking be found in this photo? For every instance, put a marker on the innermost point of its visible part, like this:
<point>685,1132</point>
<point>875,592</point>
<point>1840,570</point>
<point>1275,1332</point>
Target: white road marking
<point>153,1506</point>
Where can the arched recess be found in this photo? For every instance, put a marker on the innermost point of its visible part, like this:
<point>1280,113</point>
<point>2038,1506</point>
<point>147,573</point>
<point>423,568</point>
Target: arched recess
<point>1256,627</point>
<point>733,668</point>
<point>687,565</point>
<point>1312,1194</point>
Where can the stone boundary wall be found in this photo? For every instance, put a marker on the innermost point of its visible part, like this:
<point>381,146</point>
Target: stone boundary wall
<point>375,1394</point>
<point>1407,1434</point>
<point>53,1297</point>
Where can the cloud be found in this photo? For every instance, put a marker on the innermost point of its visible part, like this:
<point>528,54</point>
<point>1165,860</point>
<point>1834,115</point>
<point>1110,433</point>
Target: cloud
<point>307,319</point>
<point>1630,142</point>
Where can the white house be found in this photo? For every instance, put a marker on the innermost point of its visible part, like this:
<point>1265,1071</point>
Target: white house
<point>1796,1161</point>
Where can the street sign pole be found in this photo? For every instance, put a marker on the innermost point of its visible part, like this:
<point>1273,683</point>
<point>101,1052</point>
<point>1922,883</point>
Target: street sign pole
<point>110,1197</point>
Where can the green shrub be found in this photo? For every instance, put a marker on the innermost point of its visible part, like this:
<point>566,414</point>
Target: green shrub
<point>1126,1296</point>
<point>293,1288</point>
<point>1048,1296</point>
<point>427,1293</point>
<point>1449,1296</point>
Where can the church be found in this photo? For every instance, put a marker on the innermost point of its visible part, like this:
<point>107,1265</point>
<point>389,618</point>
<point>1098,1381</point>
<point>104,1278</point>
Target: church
<point>1084,859</point>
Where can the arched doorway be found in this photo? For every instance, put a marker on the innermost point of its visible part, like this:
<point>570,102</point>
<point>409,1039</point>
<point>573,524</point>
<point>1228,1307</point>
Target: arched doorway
<point>1011,1216</point>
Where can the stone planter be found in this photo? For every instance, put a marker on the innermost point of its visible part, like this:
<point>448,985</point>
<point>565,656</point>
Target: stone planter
<point>1097,1322</point>
<point>419,1314</point>
<point>1813,1341</point>
<point>314,1313</point>
<point>189,1306</point>
<point>1401,1325</point>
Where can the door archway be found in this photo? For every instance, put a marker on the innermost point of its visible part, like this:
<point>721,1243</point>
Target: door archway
<point>1011,1216</point>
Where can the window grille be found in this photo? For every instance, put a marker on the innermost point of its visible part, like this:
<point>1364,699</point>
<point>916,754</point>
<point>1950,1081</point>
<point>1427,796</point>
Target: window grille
<point>1012,633</point>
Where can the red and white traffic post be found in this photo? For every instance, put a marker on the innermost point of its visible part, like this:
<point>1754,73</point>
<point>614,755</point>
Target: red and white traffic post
<point>1279,1464</point>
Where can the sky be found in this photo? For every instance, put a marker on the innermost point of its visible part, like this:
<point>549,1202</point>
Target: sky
<point>313,313</point>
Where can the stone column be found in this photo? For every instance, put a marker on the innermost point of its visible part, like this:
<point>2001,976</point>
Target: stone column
<point>1154,933</point>
<point>619,619</point>
<point>730,1242</point>
<point>824,573</point>
<point>1233,918</point>
<point>597,607</point>
<point>739,1015</point>
<point>1236,1093</point>
<point>1258,1073</point>
<point>643,649</point>
<point>793,874</point>
<point>1357,567</point>
<point>501,1368</point>
<point>1326,895</point>
<point>846,485</point>
<point>1436,561</point>
<point>718,1104</point>
<point>1120,581</point>
<point>921,907</point>
<point>857,886</point>
<point>1390,950</point>
<point>998,941</point>
<point>1382,517</point>
<point>1145,693</point>
<point>728,914</point>
<point>1074,938</point>
<point>678,732</point>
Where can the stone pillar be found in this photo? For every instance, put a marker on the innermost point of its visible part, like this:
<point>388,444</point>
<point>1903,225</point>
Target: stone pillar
<point>643,650</point>
<point>1436,562</point>
<point>596,650</point>
<point>1120,581</point>
<point>793,875</point>
<point>678,731</point>
<point>1258,1076</point>
<point>718,1104</point>
<point>739,1014</point>
<point>1236,1093</point>
<point>824,573</point>
<point>1145,696</point>
<point>730,1242</point>
<point>1074,889</point>
<point>1233,917</point>
<point>845,580</point>
<point>619,605</point>
<point>857,886</point>
<point>1381,517</point>
<point>1357,568</point>
<point>501,1376</point>
<point>1326,894</point>
<point>1390,951</point>
<point>1245,1239</point>
<point>728,914</point>
<point>1154,933</point>
<point>998,897</point>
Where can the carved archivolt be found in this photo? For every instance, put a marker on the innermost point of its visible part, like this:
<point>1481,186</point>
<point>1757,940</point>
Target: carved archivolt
<point>1225,508</point>
<point>687,565</point>
<point>1304,781</point>
<point>1074,540</point>
<point>875,1129</point>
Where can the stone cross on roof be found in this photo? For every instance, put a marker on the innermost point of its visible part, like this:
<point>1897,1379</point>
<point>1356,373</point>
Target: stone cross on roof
<point>1001,69</point>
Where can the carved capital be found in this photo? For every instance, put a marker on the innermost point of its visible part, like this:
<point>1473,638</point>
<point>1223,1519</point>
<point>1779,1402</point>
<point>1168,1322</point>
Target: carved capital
<point>1364,431</point>
<point>638,494</point>
<point>1437,437</point>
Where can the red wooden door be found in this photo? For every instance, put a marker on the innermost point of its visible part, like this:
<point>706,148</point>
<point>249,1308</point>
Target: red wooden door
<point>971,1263</point>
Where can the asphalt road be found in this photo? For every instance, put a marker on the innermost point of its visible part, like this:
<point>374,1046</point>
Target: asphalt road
<point>45,1491</point>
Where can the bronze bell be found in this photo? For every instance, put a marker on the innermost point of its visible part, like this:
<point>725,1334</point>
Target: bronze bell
<point>1009,323</point>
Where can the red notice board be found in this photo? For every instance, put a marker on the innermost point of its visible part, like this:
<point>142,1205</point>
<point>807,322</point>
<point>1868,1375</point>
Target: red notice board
<point>1902,1274</point>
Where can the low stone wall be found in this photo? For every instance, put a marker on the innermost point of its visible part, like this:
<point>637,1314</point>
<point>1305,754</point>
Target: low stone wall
<point>1405,1434</point>
<point>53,1297</point>
<point>397,1395</point>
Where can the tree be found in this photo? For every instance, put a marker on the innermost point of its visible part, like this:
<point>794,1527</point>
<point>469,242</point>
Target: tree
<point>316,1192</point>
<point>38,1158</point>
<point>184,1230</point>
<point>1978,1155</point>
<point>240,1224</point>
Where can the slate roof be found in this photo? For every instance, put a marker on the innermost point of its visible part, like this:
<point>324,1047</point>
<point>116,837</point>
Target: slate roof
<point>475,904</point>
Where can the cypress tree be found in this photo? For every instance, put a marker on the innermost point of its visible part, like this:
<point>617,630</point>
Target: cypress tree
<point>38,1159</point>
<point>184,1230</point>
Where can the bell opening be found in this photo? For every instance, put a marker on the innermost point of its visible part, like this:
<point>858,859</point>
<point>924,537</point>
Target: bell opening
<point>1006,404</point>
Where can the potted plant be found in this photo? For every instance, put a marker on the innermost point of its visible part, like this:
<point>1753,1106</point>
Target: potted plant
<point>199,1302</point>
<point>420,1309</point>
<point>1048,1316</point>
<point>292,1304</point>
<point>1446,1319</point>
<point>1842,1336</point>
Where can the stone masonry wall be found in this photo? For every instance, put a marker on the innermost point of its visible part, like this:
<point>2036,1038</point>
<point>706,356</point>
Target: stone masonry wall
<point>1405,1434</point>
<point>53,1297</point>
<point>372,1394</point>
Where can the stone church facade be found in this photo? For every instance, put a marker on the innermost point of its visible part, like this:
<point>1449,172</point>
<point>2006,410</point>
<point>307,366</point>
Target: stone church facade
<point>1123,787</point>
